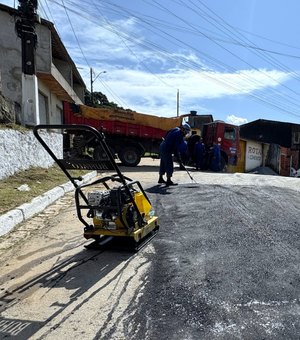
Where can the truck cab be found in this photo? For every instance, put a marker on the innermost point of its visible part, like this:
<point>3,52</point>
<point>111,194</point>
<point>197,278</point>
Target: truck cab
<point>227,135</point>
<point>215,132</point>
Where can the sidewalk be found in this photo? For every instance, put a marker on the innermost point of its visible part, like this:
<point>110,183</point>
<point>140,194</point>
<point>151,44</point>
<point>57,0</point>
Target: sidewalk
<point>18,215</point>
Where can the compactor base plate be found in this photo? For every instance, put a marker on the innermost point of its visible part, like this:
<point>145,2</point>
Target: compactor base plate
<point>104,238</point>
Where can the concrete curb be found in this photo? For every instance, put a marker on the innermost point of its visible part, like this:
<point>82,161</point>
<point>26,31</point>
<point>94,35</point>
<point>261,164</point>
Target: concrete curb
<point>12,218</point>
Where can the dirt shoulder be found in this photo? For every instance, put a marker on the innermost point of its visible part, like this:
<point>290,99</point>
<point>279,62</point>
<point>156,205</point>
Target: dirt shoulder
<point>25,185</point>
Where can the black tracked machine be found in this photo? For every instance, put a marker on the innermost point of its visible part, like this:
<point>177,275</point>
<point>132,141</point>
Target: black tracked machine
<point>112,207</point>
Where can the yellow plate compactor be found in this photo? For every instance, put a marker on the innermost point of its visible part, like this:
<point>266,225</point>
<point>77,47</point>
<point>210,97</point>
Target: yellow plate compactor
<point>112,207</point>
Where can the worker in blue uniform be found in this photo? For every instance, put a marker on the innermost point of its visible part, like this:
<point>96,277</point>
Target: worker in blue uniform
<point>169,146</point>
<point>199,154</point>
<point>215,164</point>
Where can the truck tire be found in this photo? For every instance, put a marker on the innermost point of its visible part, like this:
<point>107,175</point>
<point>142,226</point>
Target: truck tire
<point>130,156</point>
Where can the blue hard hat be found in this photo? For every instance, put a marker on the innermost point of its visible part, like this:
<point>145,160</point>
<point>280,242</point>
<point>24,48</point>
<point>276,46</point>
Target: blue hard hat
<point>186,127</point>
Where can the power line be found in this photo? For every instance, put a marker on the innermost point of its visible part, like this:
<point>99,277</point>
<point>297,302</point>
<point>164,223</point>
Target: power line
<point>159,49</point>
<point>75,35</point>
<point>134,54</point>
<point>265,38</point>
<point>242,40</point>
<point>233,54</point>
<point>43,10</point>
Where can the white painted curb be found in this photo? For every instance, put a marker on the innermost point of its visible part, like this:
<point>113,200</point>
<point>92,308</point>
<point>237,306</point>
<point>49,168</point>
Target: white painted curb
<point>12,218</point>
<point>9,220</point>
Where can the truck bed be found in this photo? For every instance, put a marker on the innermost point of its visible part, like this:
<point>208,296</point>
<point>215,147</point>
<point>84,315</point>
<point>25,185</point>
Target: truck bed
<point>116,127</point>
<point>119,121</point>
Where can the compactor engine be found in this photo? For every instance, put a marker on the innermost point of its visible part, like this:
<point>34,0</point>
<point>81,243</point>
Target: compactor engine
<point>112,209</point>
<point>111,206</point>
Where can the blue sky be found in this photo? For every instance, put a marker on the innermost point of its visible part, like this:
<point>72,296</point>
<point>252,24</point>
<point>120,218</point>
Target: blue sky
<point>237,60</point>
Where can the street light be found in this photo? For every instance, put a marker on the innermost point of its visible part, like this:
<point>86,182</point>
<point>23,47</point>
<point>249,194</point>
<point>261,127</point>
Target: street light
<point>92,82</point>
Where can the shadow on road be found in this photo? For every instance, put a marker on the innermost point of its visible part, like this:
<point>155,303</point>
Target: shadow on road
<point>78,274</point>
<point>159,189</point>
<point>139,168</point>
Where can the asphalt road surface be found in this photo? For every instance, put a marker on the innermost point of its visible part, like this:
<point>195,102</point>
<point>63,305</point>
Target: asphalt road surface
<point>224,265</point>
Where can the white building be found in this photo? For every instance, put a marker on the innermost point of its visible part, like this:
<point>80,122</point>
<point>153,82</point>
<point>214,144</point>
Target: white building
<point>57,77</point>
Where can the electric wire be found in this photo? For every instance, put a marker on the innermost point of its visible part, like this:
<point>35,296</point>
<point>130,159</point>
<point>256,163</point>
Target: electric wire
<point>231,32</point>
<point>83,54</point>
<point>227,50</point>
<point>176,27</point>
<point>264,99</point>
<point>179,18</point>
<point>75,35</point>
<point>213,38</point>
<point>135,55</point>
<point>153,46</point>
<point>114,96</point>
<point>278,93</point>
<point>267,39</point>
<point>131,51</point>
<point>42,10</point>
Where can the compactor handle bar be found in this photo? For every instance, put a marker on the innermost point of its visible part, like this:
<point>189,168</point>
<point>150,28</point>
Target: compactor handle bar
<point>98,136</point>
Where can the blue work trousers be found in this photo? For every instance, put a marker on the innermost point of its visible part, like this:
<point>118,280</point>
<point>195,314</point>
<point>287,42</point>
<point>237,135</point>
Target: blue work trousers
<point>166,161</point>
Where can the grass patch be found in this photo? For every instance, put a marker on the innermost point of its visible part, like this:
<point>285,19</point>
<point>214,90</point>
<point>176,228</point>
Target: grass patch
<point>39,181</point>
<point>13,126</point>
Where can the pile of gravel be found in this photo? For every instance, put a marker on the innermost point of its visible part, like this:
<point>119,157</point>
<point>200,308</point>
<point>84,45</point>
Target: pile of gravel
<point>263,170</point>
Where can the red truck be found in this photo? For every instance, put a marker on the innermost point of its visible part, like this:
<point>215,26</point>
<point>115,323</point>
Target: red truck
<point>219,132</point>
<point>132,135</point>
<point>129,134</point>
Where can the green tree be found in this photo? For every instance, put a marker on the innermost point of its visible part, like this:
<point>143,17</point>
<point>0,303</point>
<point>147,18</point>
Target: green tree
<point>99,100</point>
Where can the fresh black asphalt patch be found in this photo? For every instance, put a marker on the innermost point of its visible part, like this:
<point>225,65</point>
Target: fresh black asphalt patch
<point>226,264</point>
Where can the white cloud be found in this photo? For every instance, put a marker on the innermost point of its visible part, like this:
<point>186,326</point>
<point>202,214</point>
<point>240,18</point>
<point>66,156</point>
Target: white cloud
<point>142,73</point>
<point>232,119</point>
<point>157,93</point>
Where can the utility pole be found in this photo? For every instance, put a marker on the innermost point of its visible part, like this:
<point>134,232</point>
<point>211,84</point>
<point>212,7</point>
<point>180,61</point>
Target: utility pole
<point>92,96</point>
<point>92,82</point>
<point>25,27</point>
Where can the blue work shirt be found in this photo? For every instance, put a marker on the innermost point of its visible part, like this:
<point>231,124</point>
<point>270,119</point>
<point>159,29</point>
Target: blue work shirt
<point>173,140</point>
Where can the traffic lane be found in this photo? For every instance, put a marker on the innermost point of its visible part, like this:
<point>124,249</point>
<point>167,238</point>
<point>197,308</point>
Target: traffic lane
<point>106,288</point>
<point>226,264</point>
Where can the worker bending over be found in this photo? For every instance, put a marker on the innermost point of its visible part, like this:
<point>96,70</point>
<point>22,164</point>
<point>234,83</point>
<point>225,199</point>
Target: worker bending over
<point>168,147</point>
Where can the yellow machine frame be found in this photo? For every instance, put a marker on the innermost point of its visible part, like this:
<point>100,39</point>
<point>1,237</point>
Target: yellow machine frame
<point>130,216</point>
